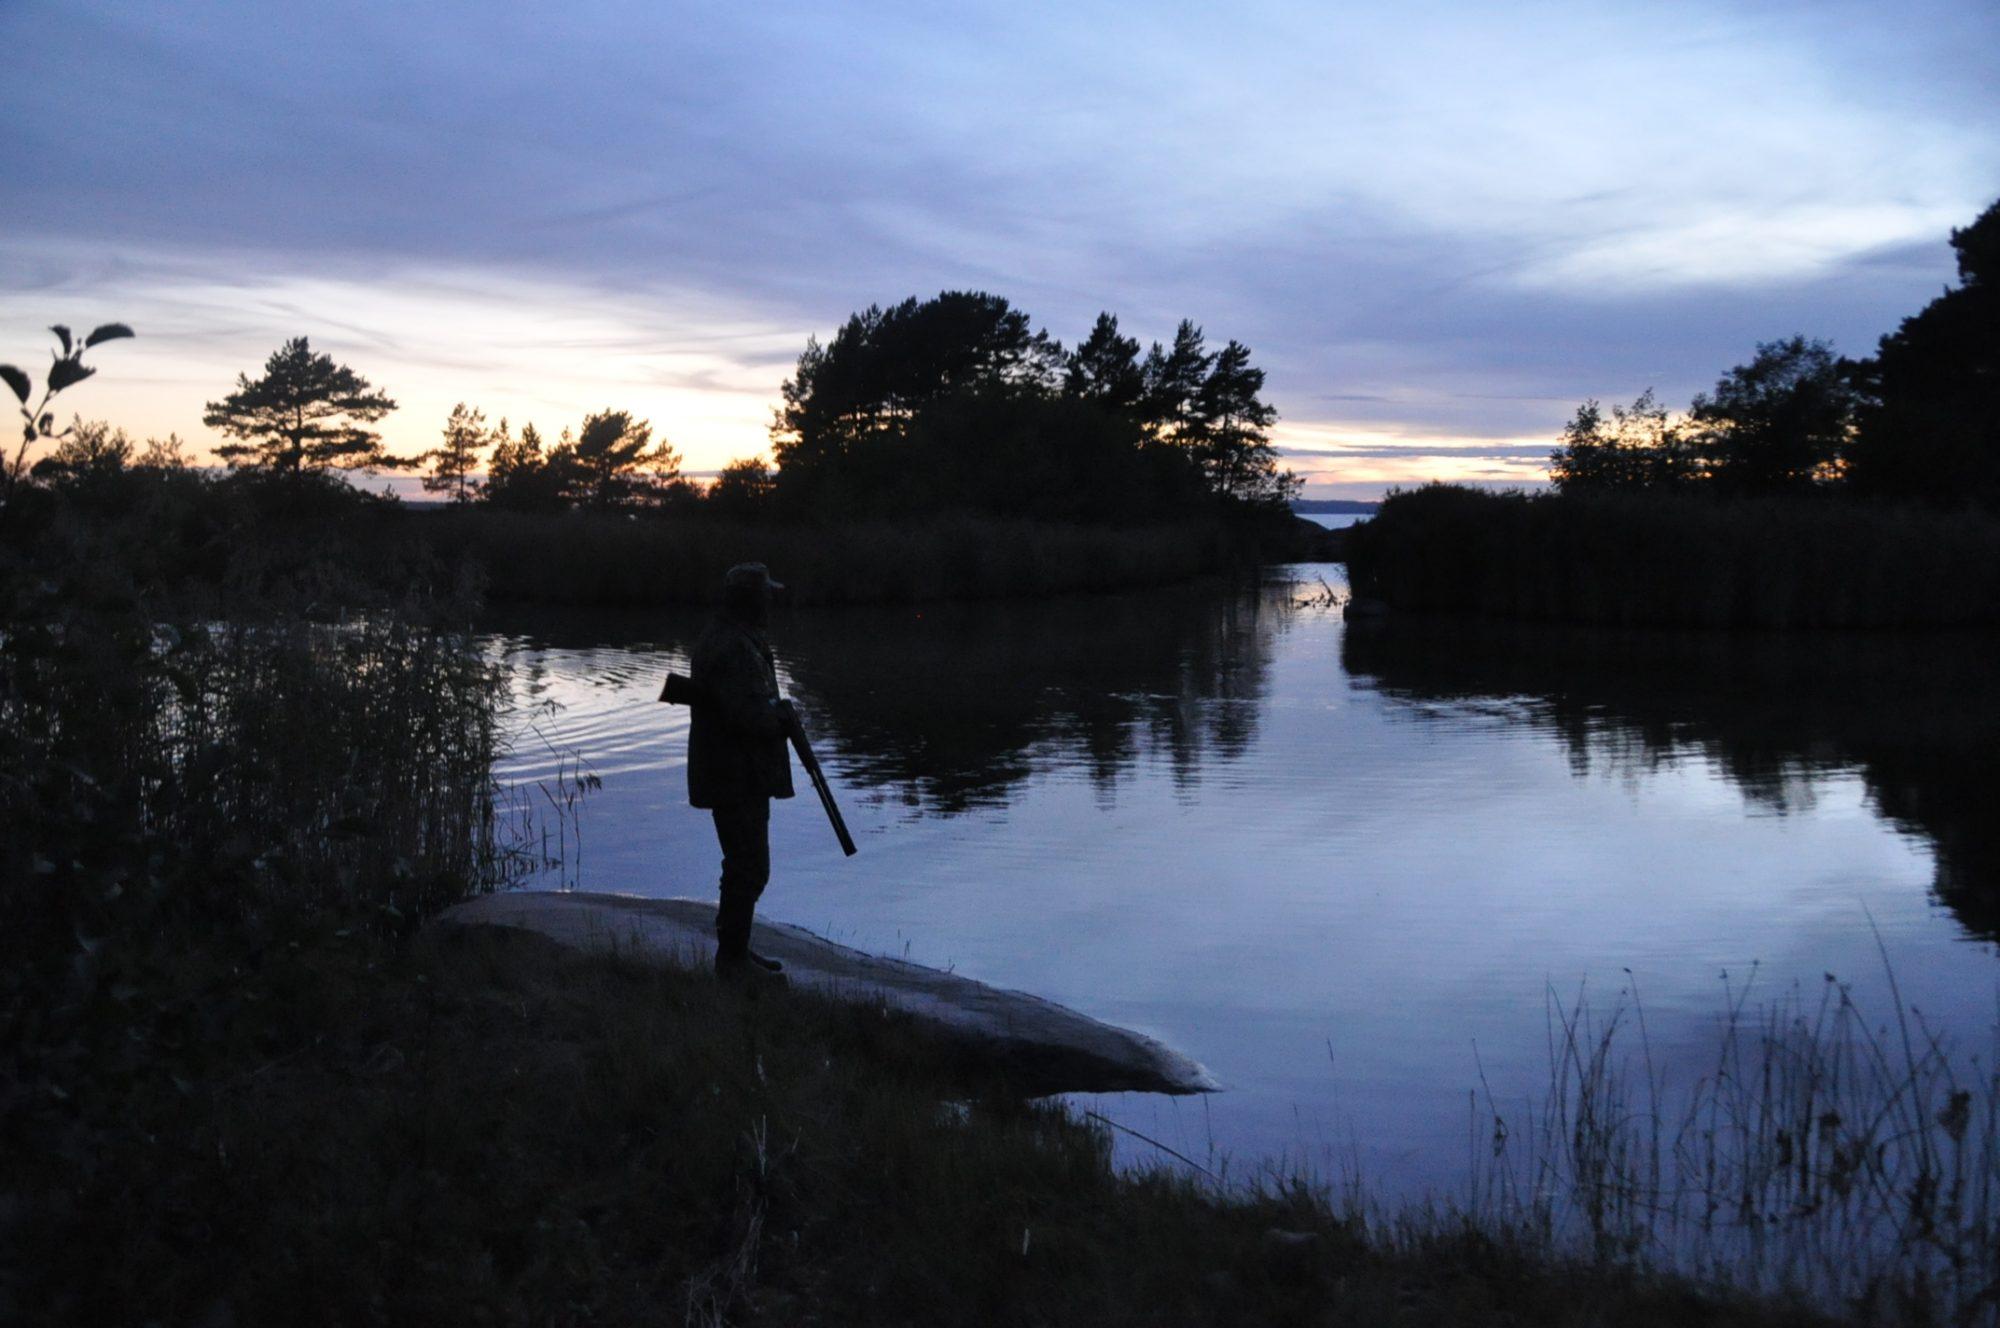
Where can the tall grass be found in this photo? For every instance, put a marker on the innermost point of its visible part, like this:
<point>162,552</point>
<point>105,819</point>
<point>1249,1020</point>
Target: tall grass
<point>1678,560</point>
<point>600,558</point>
<point>236,769</point>
<point>1820,1154</point>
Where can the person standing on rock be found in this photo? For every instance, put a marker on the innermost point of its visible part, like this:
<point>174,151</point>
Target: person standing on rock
<point>737,760</point>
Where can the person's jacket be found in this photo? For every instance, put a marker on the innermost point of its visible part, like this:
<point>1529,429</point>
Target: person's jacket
<point>736,743</point>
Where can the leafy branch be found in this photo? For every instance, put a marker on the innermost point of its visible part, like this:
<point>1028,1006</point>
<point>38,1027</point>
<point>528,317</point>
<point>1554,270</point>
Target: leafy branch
<point>66,370</point>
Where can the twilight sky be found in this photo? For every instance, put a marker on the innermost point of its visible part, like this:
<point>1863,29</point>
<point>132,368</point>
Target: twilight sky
<point>1438,226</point>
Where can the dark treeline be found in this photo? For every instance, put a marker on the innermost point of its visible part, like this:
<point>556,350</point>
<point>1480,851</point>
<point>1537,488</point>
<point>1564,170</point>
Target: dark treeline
<point>953,404</point>
<point>1919,421</point>
<point>959,402</point>
<point>938,449</point>
<point>1678,560</point>
<point>1804,490</point>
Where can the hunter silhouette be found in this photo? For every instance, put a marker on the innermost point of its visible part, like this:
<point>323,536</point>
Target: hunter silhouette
<point>737,761</point>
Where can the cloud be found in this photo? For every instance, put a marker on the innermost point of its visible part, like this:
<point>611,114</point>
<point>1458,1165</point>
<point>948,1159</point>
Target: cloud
<point>1450,218</point>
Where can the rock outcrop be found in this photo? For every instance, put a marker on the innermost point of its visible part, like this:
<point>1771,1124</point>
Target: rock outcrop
<point>1045,1047</point>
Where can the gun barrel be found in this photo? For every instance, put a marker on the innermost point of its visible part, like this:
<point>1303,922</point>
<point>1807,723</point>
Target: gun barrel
<point>820,786</point>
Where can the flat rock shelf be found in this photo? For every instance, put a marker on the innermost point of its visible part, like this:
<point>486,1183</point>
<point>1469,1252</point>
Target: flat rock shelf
<point>1048,1048</point>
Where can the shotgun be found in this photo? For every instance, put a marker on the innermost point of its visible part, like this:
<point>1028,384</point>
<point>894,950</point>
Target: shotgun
<point>681,690</point>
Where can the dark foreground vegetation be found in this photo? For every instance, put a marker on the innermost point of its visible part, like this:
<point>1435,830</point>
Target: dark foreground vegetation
<point>942,448</point>
<point>484,1129</point>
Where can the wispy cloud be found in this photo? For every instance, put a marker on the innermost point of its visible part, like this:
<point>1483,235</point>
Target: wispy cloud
<point>1451,218</point>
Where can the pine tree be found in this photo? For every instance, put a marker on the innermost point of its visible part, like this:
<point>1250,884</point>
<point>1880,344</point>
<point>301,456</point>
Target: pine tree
<point>453,462</point>
<point>1105,368</point>
<point>1173,381</point>
<point>1229,431</point>
<point>615,463</point>
<point>305,414</point>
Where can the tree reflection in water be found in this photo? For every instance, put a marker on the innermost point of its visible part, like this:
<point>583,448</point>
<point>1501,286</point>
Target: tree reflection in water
<point>950,707</point>
<point>1916,716</point>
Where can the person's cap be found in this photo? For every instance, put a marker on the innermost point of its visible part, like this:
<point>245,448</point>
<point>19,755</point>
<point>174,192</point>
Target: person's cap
<point>748,576</point>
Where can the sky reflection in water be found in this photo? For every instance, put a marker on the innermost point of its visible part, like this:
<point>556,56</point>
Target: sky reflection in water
<point>1342,865</point>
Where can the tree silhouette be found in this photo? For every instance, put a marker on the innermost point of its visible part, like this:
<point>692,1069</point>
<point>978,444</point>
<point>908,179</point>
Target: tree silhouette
<point>89,451</point>
<point>883,366</point>
<point>306,414</point>
<point>1173,382</point>
<point>960,403</point>
<point>517,476</point>
<point>1230,432</point>
<point>1641,447</point>
<point>1928,426</point>
<point>744,488</point>
<point>1780,423</point>
<point>1105,368</point>
<point>453,461</point>
<point>164,454</point>
<point>615,465</point>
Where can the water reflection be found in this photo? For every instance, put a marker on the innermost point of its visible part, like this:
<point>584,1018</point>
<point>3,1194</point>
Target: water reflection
<point>1916,717</point>
<point>950,708</point>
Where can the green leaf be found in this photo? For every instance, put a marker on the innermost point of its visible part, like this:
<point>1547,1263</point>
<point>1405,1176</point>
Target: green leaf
<point>16,380</point>
<point>108,332</point>
<point>62,332</point>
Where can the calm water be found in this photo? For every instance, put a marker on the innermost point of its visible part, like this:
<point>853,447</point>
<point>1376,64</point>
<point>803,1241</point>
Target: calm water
<point>1335,520</point>
<point>1341,864</point>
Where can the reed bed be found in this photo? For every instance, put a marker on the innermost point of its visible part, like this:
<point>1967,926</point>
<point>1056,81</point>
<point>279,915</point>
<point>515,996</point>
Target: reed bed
<point>241,768</point>
<point>600,558</point>
<point>1676,560</point>
<point>1821,1156</point>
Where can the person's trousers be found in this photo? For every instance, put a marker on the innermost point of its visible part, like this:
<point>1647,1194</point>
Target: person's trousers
<point>744,831</point>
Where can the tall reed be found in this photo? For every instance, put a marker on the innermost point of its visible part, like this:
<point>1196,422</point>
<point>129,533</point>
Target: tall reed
<point>1820,1154</point>
<point>243,768</point>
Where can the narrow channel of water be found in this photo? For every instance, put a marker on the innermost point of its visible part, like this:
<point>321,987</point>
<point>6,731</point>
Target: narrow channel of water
<point>1343,864</point>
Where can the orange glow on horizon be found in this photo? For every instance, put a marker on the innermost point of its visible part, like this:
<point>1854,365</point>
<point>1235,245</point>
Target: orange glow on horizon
<point>704,373</point>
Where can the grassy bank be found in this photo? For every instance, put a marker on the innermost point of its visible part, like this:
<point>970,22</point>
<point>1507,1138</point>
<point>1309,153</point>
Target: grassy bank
<point>1678,560</point>
<point>486,1129</point>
